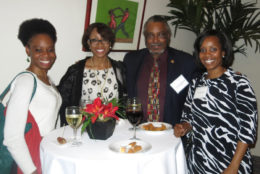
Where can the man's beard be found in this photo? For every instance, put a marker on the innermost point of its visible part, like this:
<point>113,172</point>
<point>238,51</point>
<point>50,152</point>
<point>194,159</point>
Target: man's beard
<point>157,53</point>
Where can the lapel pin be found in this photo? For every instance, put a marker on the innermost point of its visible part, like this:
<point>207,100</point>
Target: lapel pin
<point>172,61</point>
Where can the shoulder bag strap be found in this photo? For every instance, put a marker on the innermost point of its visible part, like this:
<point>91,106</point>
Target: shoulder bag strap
<point>9,85</point>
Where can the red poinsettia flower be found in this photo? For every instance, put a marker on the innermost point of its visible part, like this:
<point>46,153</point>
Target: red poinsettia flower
<point>110,111</point>
<point>98,110</point>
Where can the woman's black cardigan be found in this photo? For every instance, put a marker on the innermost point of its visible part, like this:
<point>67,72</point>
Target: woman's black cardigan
<point>70,86</point>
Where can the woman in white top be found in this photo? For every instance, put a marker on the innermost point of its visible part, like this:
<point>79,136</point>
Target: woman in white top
<point>39,38</point>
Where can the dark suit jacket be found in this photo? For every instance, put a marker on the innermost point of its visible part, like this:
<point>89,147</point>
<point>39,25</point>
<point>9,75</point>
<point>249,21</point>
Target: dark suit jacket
<point>178,63</point>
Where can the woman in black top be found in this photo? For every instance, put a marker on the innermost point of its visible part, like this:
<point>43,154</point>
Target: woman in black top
<point>96,76</point>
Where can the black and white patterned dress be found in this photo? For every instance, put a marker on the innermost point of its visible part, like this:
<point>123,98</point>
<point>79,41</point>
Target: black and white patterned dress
<point>99,83</point>
<point>227,114</point>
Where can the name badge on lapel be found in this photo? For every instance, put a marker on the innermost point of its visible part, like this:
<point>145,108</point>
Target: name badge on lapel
<point>200,92</point>
<point>179,84</point>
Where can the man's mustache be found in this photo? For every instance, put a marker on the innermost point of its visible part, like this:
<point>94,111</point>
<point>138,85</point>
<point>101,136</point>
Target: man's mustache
<point>155,44</point>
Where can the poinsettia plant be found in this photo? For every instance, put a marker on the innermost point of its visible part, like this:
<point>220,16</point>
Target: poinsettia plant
<point>100,111</point>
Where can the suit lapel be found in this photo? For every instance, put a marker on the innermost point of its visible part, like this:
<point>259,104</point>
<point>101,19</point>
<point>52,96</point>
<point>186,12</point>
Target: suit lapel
<point>172,69</point>
<point>139,63</point>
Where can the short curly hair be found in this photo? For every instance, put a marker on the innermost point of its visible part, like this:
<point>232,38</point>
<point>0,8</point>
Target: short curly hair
<point>104,30</point>
<point>225,43</point>
<point>32,27</point>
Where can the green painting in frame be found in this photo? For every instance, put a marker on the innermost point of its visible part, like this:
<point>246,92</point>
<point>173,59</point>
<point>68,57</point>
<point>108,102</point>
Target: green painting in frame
<point>123,16</point>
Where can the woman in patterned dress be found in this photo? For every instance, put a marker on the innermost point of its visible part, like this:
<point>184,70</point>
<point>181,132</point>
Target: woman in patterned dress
<point>220,111</point>
<point>95,76</point>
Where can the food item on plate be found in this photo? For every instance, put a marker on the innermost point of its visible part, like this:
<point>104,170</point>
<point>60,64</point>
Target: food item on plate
<point>130,148</point>
<point>137,148</point>
<point>61,140</point>
<point>132,144</point>
<point>123,149</point>
<point>151,127</point>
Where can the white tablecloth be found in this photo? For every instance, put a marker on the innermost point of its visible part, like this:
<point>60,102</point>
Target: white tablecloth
<point>94,157</point>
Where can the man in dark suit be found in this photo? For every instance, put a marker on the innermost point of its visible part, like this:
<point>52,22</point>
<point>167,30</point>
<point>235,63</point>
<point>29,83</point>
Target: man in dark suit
<point>159,75</point>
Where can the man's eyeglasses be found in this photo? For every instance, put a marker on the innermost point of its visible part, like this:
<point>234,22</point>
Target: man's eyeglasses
<point>96,41</point>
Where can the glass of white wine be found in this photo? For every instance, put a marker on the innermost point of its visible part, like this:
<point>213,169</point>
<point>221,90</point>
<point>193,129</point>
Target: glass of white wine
<point>74,119</point>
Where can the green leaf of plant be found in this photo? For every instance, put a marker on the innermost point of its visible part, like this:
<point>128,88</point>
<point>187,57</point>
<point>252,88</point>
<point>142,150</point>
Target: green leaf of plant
<point>237,19</point>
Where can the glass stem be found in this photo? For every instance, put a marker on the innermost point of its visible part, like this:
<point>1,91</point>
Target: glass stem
<point>75,134</point>
<point>134,137</point>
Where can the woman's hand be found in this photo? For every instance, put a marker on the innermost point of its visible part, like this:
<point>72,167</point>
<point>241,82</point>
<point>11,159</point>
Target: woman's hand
<point>237,158</point>
<point>181,129</point>
<point>35,172</point>
<point>230,170</point>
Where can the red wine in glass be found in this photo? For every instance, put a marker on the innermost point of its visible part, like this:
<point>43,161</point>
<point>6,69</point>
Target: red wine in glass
<point>134,117</point>
<point>134,113</point>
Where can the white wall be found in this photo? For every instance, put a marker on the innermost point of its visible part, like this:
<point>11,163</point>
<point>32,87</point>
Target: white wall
<point>68,18</point>
<point>66,15</point>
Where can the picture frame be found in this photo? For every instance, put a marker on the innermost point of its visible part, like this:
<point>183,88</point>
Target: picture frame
<point>125,17</point>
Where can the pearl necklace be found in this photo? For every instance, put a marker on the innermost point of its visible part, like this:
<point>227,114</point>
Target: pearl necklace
<point>100,85</point>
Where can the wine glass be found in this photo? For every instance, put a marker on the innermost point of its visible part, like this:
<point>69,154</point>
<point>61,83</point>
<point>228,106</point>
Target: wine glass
<point>134,113</point>
<point>74,118</point>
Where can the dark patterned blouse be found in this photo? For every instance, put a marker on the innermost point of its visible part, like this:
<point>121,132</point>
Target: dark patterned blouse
<point>223,113</point>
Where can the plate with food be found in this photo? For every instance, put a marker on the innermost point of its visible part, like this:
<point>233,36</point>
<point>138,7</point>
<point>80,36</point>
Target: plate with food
<point>130,146</point>
<point>155,127</point>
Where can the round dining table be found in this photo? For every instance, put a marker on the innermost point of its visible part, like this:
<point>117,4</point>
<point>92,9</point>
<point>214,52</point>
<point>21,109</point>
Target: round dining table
<point>165,154</point>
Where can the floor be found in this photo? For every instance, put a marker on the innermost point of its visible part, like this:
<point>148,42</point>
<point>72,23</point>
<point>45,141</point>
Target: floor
<point>256,164</point>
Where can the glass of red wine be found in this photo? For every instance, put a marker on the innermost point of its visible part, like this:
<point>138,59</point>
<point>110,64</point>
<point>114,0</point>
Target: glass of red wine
<point>134,113</point>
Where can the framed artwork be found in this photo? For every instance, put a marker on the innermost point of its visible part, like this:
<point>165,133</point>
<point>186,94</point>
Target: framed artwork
<point>124,17</point>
